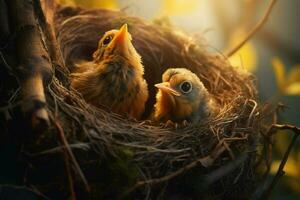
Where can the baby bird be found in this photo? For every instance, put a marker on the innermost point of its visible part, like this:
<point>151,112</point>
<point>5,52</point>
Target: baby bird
<point>182,98</point>
<point>114,78</point>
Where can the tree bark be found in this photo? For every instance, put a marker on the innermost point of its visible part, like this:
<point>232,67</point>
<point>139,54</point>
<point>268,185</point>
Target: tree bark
<point>34,69</point>
<point>44,11</point>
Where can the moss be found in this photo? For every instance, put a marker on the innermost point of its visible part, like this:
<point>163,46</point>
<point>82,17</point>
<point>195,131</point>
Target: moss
<point>116,174</point>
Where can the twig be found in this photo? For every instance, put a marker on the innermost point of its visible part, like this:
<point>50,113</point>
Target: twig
<point>74,147</point>
<point>268,144</point>
<point>149,148</point>
<point>229,150</point>
<point>280,171</point>
<point>252,112</point>
<point>236,138</point>
<point>228,168</point>
<point>67,164</point>
<point>71,155</point>
<point>29,189</point>
<point>286,127</point>
<point>254,30</point>
<point>70,178</point>
<point>206,161</point>
<point>8,67</point>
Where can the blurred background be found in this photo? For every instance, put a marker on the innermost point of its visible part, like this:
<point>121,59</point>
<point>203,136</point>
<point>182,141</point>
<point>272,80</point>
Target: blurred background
<point>273,54</point>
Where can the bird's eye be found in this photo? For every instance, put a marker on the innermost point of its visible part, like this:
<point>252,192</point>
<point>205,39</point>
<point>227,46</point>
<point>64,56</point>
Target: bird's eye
<point>107,40</point>
<point>186,87</point>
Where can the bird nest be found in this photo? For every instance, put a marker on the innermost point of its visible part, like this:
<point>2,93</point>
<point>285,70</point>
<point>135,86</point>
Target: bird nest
<point>114,157</point>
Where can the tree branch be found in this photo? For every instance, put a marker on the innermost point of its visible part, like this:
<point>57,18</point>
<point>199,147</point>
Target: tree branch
<point>68,152</point>
<point>204,161</point>
<point>34,68</point>
<point>280,172</point>
<point>254,30</point>
<point>295,129</point>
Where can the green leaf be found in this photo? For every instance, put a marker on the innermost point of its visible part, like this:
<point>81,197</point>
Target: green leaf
<point>279,70</point>
<point>293,89</point>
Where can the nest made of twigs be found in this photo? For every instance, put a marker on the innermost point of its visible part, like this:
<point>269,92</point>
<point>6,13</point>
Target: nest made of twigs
<point>125,158</point>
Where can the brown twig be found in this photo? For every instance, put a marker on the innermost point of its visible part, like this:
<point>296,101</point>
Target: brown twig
<point>69,175</point>
<point>226,169</point>
<point>205,161</point>
<point>286,127</point>
<point>70,154</point>
<point>252,112</point>
<point>254,30</point>
<point>17,188</point>
<point>268,144</point>
<point>8,67</point>
<point>67,163</point>
<point>280,171</point>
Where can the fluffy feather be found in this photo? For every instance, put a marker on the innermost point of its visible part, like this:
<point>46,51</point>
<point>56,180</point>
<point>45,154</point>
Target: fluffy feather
<point>182,96</point>
<point>114,79</point>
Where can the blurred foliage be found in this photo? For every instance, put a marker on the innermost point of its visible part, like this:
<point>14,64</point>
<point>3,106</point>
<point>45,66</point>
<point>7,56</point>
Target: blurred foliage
<point>288,83</point>
<point>245,57</point>
<point>67,2</point>
<point>110,4</point>
<point>178,7</point>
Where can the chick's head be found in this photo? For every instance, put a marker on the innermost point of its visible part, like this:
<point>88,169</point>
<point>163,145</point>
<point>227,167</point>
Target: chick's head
<point>181,94</point>
<point>117,43</point>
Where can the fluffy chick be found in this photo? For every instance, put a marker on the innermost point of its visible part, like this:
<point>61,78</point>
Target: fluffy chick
<point>114,78</point>
<point>182,97</point>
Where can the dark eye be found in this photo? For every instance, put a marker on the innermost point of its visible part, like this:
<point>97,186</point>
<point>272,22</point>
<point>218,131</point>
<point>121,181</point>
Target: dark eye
<point>186,87</point>
<point>107,40</point>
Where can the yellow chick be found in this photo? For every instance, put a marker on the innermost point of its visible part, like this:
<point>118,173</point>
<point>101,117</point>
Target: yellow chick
<point>114,78</point>
<point>182,97</point>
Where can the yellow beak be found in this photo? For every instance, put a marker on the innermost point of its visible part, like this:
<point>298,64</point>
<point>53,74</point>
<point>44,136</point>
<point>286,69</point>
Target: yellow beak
<point>121,40</point>
<point>165,87</point>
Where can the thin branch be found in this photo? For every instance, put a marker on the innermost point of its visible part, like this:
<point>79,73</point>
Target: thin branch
<point>69,175</point>
<point>67,164</point>
<point>286,127</point>
<point>8,67</point>
<point>280,171</point>
<point>252,112</point>
<point>29,189</point>
<point>254,30</point>
<point>71,155</point>
<point>205,162</point>
<point>268,144</point>
<point>217,174</point>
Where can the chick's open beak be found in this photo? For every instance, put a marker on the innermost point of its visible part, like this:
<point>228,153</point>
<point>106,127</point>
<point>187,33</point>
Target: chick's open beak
<point>165,87</point>
<point>122,41</point>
